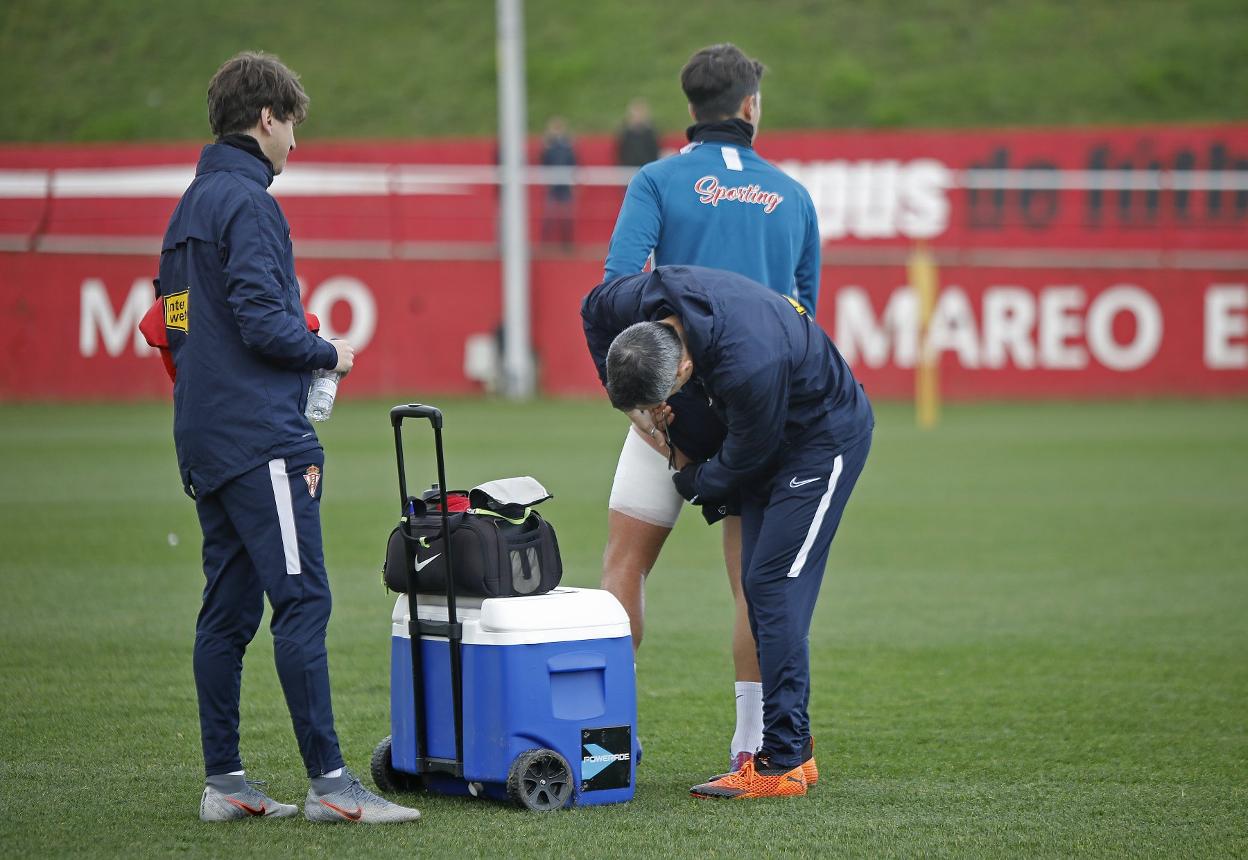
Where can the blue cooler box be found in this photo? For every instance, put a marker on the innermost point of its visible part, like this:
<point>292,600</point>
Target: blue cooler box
<point>547,672</point>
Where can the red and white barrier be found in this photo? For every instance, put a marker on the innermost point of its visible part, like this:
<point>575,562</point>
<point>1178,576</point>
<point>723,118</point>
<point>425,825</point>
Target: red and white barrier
<point>1075,263</point>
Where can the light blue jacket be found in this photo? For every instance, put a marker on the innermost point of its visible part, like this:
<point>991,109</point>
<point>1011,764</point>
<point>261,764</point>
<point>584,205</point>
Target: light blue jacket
<point>720,205</point>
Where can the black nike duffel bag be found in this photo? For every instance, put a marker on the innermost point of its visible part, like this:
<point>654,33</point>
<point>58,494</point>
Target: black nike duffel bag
<point>501,547</point>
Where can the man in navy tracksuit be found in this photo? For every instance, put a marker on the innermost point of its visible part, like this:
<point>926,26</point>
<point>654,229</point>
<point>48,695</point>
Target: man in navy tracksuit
<point>798,432</point>
<point>249,458</point>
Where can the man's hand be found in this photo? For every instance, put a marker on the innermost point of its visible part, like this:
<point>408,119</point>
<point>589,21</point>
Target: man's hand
<point>346,356</point>
<point>685,480</point>
<point>644,423</point>
<point>644,426</point>
<point>663,415</point>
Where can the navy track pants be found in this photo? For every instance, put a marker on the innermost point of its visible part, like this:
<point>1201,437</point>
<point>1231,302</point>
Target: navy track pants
<point>262,535</point>
<point>786,532</point>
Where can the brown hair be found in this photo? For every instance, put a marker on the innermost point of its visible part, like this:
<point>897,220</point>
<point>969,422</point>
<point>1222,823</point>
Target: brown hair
<point>717,79</point>
<point>246,84</point>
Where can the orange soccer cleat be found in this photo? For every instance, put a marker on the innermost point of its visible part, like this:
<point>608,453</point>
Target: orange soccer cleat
<point>808,763</point>
<point>754,780</point>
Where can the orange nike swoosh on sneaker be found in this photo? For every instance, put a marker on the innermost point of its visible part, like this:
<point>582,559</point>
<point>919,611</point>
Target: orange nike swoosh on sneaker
<point>350,816</point>
<point>249,810</point>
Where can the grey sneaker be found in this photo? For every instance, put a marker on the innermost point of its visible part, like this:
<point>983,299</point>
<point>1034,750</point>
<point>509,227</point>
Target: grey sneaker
<point>251,802</point>
<point>355,803</point>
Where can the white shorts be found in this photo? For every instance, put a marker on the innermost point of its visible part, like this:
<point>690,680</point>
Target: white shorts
<point>643,487</point>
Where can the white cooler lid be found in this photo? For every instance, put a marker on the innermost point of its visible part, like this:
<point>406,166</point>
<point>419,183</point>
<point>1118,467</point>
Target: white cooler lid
<point>560,615</point>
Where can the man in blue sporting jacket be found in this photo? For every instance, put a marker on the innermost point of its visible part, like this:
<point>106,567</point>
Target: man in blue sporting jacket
<point>798,429</point>
<point>248,457</point>
<point>716,204</point>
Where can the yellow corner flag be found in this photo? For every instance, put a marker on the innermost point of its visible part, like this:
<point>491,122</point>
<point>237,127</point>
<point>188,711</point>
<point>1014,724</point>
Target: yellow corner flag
<point>923,280</point>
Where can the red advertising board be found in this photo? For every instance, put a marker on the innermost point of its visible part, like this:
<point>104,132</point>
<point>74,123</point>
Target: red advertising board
<point>1073,263</point>
<point>998,332</point>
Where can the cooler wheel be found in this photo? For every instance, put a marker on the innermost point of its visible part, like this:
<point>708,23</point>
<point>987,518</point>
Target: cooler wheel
<point>540,780</point>
<point>384,774</point>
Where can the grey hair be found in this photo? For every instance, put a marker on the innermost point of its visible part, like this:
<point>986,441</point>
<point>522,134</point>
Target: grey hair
<point>642,364</point>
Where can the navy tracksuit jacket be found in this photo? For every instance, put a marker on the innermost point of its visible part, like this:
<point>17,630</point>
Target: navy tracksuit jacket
<point>798,429</point>
<point>246,453</point>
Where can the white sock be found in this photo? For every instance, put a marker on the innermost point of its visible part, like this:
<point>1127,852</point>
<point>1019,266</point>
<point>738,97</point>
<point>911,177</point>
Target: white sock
<point>334,774</point>
<point>748,736</point>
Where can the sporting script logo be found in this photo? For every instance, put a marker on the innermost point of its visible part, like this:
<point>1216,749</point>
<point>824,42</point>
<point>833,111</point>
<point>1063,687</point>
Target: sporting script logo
<point>710,192</point>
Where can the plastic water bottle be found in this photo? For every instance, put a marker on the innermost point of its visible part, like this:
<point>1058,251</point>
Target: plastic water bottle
<point>321,394</point>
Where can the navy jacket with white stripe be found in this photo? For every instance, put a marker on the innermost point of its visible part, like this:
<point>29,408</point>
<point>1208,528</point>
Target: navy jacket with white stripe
<point>243,351</point>
<point>773,376</point>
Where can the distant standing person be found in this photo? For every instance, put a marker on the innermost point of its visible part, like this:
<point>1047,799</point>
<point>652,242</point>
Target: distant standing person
<point>716,204</point>
<point>247,455</point>
<point>558,151</point>
<point>637,143</point>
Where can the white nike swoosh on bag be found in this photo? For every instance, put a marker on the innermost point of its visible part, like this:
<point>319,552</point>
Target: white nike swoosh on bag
<point>795,483</point>
<point>421,565</point>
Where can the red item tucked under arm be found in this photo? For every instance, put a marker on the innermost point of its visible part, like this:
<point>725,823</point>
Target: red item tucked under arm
<point>152,327</point>
<point>154,332</point>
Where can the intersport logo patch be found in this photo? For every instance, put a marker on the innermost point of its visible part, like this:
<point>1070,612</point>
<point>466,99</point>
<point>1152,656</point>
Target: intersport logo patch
<point>711,193</point>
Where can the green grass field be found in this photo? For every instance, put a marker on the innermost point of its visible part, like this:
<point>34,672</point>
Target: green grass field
<point>1031,641</point>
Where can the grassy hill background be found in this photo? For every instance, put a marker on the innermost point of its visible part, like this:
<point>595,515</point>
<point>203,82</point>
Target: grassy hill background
<point>95,70</point>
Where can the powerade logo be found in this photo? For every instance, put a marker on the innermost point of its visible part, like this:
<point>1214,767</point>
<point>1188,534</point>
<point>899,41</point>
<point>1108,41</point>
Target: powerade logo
<point>598,759</point>
<point>606,758</point>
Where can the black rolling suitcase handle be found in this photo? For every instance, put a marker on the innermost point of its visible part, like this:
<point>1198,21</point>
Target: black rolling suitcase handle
<point>452,629</point>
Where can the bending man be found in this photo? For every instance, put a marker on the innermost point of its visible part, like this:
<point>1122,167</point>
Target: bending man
<point>798,429</point>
